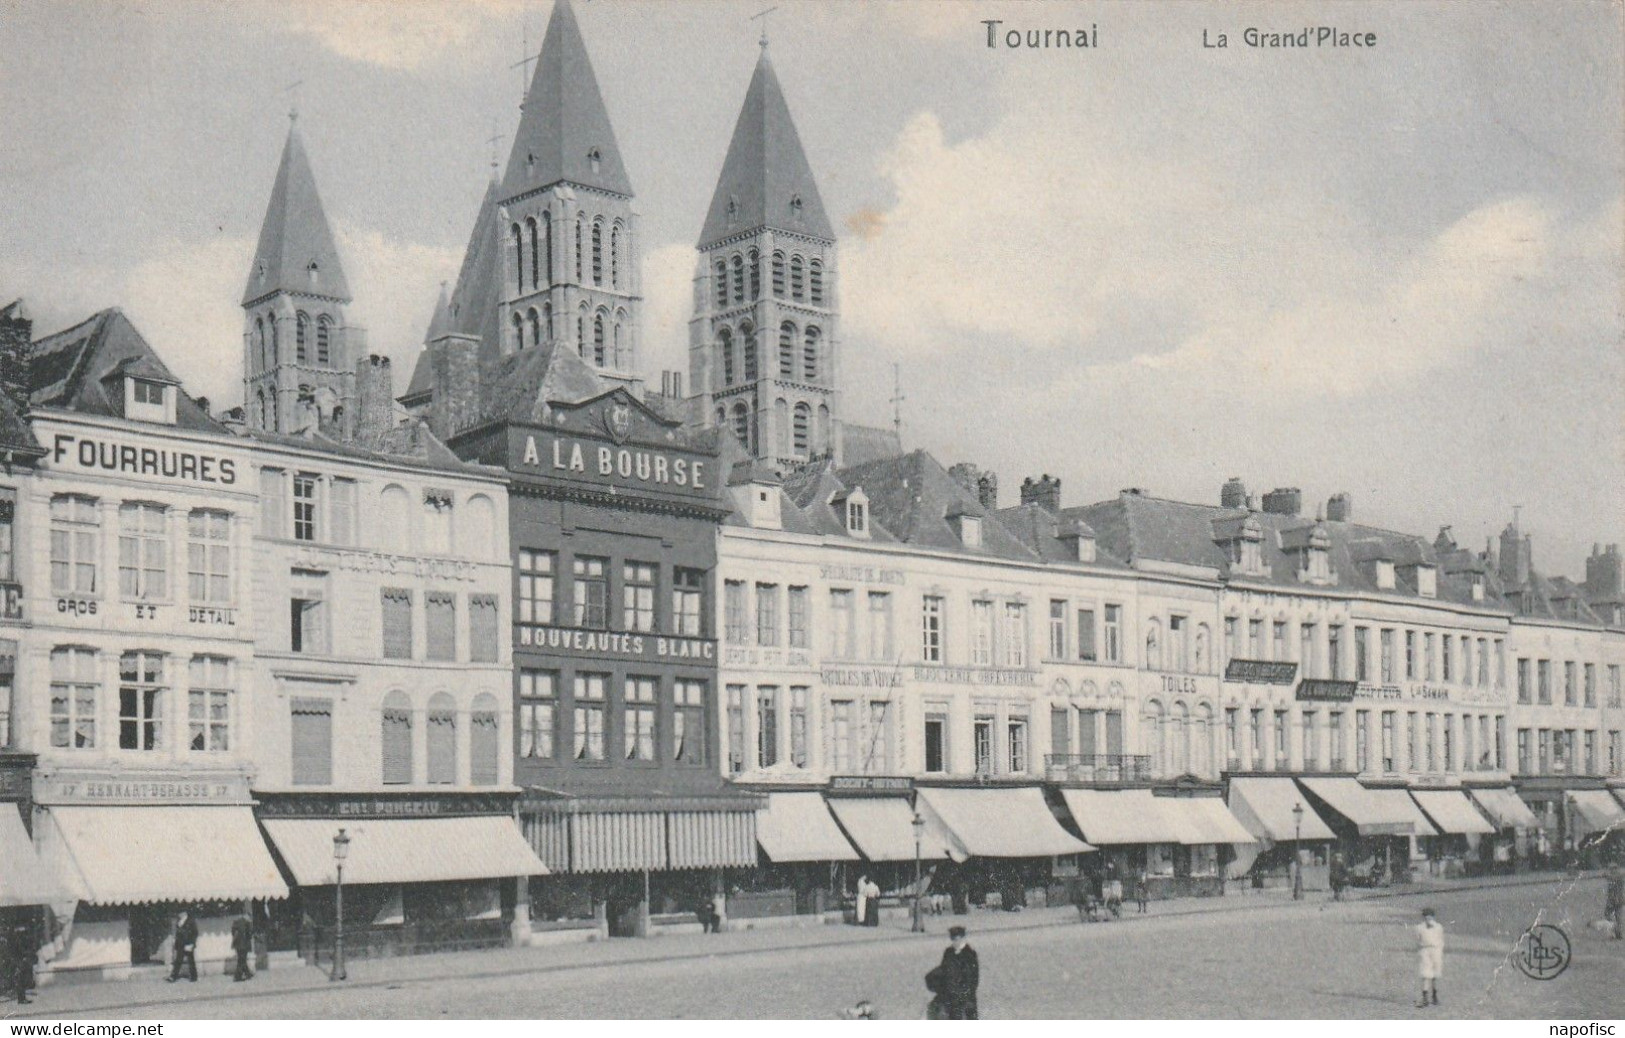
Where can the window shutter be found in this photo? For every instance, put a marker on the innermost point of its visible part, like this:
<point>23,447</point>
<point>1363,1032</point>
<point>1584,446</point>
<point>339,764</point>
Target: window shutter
<point>442,747</point>
<point>397,623</point>
<point>1114,732</point>
<point>312,742</point>
<point>1060,735</point>
<point>342,530</point>
<point>442,625</point>
<point>484,749</point>
<point>272,523</point>
<point>1086,733</point>
<point>482,629</point>
<point>397,746</point>
<point>1086,634</point>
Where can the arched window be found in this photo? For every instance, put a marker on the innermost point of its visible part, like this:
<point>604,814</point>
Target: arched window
<point>721,279</point>
<point>815,282</point>
<point>800,431</point>
<point>1202,741</point>
<point>518,331</point>
<point>397,737</point>
<point>1203,661</point>
<point>1178,750</point>
<point>742,424</point>
<point>1153,645</point>
<point>581,331</point>
<point>722,417</point>
<point>598,338</point>
<point>442,740</point>
<point>787,350</point>
<point>263,415</point>
<point>747,340</point>
<point>301,336</point>
<point>518,258</point>
<point>581,232</point>
<point>547,245</point>
<point>755,264</point>
<point>535,254</point>
<point>781,421</point>
<point>778,275</point>
<point>484,741</point>
<point>798,287</point>
<point>535,327</point>
<point>821,432</point>
<point>477,532</point>
<point>598,252</point>
<point>547,318</point>
<point>259,339</point>
<point>1152,723</point>
<point>274,346</point>
<point>725,346</point>
<point>395,517</point>
<point>809,353</point>
<point>324,339</point>
<point>622,357</point>
<point>739,278</point>
<point>615,255</point>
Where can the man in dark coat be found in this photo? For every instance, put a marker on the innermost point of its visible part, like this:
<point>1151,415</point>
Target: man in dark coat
<point>242,942</point>
<point>185,948</point>
<point>18,955</point>
<point>957,977</point>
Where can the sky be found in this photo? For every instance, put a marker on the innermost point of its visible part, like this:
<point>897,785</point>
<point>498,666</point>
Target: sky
<point>1392,271</point>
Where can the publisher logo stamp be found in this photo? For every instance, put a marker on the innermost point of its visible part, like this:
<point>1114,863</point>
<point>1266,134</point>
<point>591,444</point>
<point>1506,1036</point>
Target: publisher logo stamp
<point>1543,952</point>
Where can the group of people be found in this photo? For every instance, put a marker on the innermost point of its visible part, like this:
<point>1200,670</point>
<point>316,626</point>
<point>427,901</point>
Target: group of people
<point>868,902</point>
<point>183,955</point>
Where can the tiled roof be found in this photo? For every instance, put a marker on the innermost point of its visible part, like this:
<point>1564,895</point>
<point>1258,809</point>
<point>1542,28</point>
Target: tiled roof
<point>79,369</point>
<point>910,497</point>
<point>295,235</point>
<point>439,324</point>
<point>766,170</point>
<point>410,444</point>
<point>861,444</point>
<point>1040,530</point>
<point>522,385</point>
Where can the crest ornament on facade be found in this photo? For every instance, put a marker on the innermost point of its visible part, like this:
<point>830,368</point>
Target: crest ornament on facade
<point>618,420</point>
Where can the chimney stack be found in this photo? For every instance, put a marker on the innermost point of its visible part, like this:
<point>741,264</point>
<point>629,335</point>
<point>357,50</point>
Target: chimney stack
<point>374,399</point>
<point>1516,552</point>
<point>984,486</point>
<point>454,367</point>
<point>1233,494</point>
<point>987,490</point>
<point>1045,492</point>
<point>1605,577</point>
<point>1340,508</point>
<point>1284,501</point>
<point>16,335</point>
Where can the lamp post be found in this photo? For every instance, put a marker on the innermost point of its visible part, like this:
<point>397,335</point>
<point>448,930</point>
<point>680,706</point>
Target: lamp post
<point>1297,852</point>
<point>341,850</point>
<point>919,835</point>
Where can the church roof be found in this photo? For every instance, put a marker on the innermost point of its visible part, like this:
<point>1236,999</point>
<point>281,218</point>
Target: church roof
<point>296,251</point>
<point>766,171</point>
<point>475,296</point>
<point>439,324</point>
<point>525,384</point>
<point>81,368</point>
<point>564,123</point>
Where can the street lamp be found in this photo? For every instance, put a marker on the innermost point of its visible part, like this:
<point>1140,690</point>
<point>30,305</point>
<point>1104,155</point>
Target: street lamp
<point>919,835</point>
<point>341,850</point>
<point>1297,852</point>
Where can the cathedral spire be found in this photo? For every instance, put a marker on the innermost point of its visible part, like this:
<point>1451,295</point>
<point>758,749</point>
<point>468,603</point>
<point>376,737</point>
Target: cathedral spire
<point>766,180</point>
<point>296,251</point>
<point>564,131</point>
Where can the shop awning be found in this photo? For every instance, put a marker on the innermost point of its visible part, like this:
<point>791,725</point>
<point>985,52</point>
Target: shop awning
<point>1120,816</point>
<point>24,879</point>
<point>711,839</point>
<point>798,827</point>
<point>404,850</point>
<point>1597,809</point>
<point>618,841</point>
<point>1263,806</point>
<point>882,828</point>
<point>1000,823</point>
<point>1374,812</point>
<point>1504,806</point>
<point>1211,820</point>
<point>130,855</point>
<point>1451,811</point>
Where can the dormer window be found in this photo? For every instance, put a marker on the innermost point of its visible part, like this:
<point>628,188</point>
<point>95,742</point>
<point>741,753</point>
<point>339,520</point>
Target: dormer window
<point>1427,581</point>
<point>149,401</point>
<point>857,518</point>
<point>1385,575</point>
<point>764,507</point>
<point>1478,587</point>
<point>1078,541</point>
<point>970,530</point>
<point>595,159</point>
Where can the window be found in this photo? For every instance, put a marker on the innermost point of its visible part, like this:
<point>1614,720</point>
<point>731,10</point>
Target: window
<point>799,696</point>
<point>638,596</point>
<point>1413,743</point>
<point>931,609</point>
<point>311,722</point>
<point>1590,684</point>
<point>1309,749</point>
<point>800,636</point>
<point>484,742</point>
<point>1362,740</point>
<point>1282,736</point>
<point>1614,764</point>
<point>535,586</point>
<point>1278,637</point>
<point>396,734</point>
<point>143,551</point>
<point>1523,680</point>
<point>1389,736</point>
<point>1614,688</point>
<point>1543,671</point>
<point>597,252</point>
<point>815,282</point>
<point>736,728</point>
<point>982,741</point>
<point>981,616</point>
<point>688,721</point>
<point>1016,730</point>
<point>75,688</point>
<point>8,702</point>
<point>735,624</point>
<point>880,625</point>
<point>397,623</point>
<point>538,713</point>
<point>857,517</point>
<point>936,739</point>
<point>801,430</point>
<point>1255,639</point>
<point>75,529</point>
<point>1590,752</point>
<point>1232,736</point>
<point>1308,651</point>
<point>324,338</point>
<point>1448,655</point>
<point>1334,655</point>
<point>1232,637</point>
<point>843,625</point>
<point>1410,655</point>
<point>8,537</point>
<point>1178,646</point>
<point>778,275</point>
<point>1114,634</point>
<point>1387,637</point>
<point>877,742</point>
<point>307,629</point>
<point>437,522</point>
<point>1362,652</point>
<point>304,506</point>
<point>589,716</point>
<point>1086,634</point>
<point>483,646</point>
<point>767,615</point>
<point>1524,761</point>
<point>591,591</point>
<point>1015,634</point>
<point>1057,629</point>
<point>1570,697</point>
<point>440,625</point>
<point>1255,725</point>
<point>638,712</point>
<point>767,726</point>
<point>141,701</point>
<point>442,740</point>
<point>688,601</point>
<point>208,556</point>
<point>840,736</point>
<point>1483,663</point>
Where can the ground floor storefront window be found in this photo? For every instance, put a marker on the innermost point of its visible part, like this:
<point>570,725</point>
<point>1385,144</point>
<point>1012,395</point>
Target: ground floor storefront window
<point>386,919</point>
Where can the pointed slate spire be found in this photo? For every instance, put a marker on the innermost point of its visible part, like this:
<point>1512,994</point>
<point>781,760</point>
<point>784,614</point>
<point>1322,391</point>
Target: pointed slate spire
<point>564,132</point>
<point>440,323</point>
<point>476,295</point>
<point>296,251</point>
<point>766,181</point>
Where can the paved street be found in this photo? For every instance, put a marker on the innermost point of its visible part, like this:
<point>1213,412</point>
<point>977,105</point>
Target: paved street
<point>1251,957</point>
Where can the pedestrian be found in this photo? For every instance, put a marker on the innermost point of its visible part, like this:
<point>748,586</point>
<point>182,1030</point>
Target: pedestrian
<point>1113,890</point>
<point>874,904</point>
<point>1142,890</point>
<point>1339,877</point>
<point>185,953</point>
<point>1614,905</point>
<point>22,952</point>
<point>719,910</point>
<point>860,911</point>
<point>1429,956</point>
<point>242,942</point>
<point>1080,899</point>
<point>957,977</point>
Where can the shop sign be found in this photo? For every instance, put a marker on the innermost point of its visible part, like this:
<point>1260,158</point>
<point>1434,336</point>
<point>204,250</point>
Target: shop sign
<point>574,641</point>
<point>1428,693</point>
<point>975,676</point>
<point>124,787</point>
<point>871,784</point>
<point>740,656</point>
<point>1261,672</point>
<point>844,573</point>
<point>1320,690</point>
<point>178,464</point>
<point>341,805</point>
<point>211,616</point>
<point>383,563</point>
<point>612,466</point>
<point>861,677</point>
<point>11,600</point>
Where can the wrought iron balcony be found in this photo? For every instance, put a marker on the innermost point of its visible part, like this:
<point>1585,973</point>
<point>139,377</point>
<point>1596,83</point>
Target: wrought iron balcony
<point>1097,767</point>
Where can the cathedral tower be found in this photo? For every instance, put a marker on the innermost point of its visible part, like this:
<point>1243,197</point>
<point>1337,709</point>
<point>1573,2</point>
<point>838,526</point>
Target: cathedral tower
<point>298,353</point>
<point>762,343</point>
<point>569,257</point>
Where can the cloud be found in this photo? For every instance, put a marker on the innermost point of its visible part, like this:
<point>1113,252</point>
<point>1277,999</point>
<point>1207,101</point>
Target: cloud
<point>406,35</point>
<point>668,303</point>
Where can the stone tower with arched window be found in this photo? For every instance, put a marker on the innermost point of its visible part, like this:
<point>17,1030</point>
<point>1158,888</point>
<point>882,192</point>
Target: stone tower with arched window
<point>568,270</point>
<point>298,353</point>
<point>763,356</point>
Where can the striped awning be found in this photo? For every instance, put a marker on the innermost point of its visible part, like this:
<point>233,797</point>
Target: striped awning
<point>1000,823</point>
<point>1264,808</point>
<point>1210,820</point>
<point>1503,805</point>
<point>133,855</point>
<point>883,829</point>
<point>711,839</point>
<point>618,841</point>
<point>1451,811</point>
<point>798,827</point>
<point>1597,810</point>
<point>1128,816</point>
<point>1373,811</point>
<point>404,850</point>
<point>24,879</point>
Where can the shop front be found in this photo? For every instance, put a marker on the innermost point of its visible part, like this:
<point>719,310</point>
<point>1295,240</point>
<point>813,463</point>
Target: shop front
<point>1292,836</point>
<point>1376,827</point>
<point>1464,833</point>
<point>1597,820</point>
<point>805,858</point>
<point>1515,827</point>
<point>420,872</point>
<point>26,888</point>
<point>878,814</point>
<point>1175,846</point>
<point>1012,850</point>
